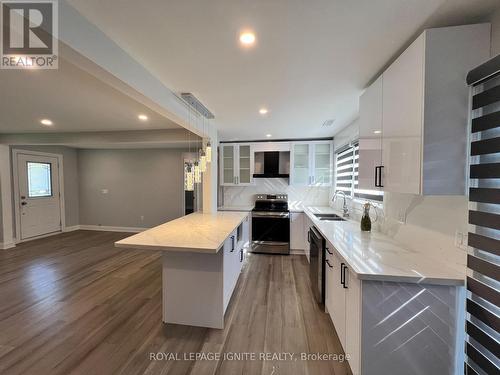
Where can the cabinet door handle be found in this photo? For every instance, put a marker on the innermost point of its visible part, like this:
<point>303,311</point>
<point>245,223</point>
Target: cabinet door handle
<point>241,255</point>
<point>328,251</point>
<point>380,176</point>
<point>232,243</point>
<point>328,263</point>
<point>343,267</point>
<point>308,236</point>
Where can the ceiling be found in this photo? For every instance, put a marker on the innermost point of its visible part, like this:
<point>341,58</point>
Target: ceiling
<point>73,99</point>
<point>311,61</point>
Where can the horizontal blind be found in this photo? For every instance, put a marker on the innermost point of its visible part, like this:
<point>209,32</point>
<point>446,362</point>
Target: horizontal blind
<point>344,170</point>
<point>482,345</point>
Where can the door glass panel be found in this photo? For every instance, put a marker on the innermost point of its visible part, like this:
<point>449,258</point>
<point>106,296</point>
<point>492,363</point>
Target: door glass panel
<point>322,170</point>
<point>245,165</point>
<point>228,164</point>
<point>39,179</point>
<point>301,164</point>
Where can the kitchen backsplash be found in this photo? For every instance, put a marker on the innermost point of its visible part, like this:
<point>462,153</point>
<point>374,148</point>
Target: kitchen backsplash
<point>297,195</point>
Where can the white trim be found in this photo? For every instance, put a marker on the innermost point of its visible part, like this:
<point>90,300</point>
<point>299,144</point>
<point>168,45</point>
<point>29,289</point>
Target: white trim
<point>105,228</point>
<point>297,252</point>
<point>8,245</point>
<point>7,227</point>
<point>60,168</point>
<point>72,228</point>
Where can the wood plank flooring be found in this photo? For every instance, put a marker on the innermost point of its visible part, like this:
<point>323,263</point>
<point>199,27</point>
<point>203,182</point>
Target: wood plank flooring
<point>74,304</point>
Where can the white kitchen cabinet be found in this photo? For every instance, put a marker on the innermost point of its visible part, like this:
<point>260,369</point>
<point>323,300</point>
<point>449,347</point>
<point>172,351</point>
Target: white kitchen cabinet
<point>297,231</point>
<point>336,295</point>
<point>237,164</point>
<point>311,163</point>
<point>353,320</point>
<point>307,225</point>
<point>421,102</point>
<point>370,136</point>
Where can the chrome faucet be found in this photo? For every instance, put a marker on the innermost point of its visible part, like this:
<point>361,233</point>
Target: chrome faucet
<point>345,209</point>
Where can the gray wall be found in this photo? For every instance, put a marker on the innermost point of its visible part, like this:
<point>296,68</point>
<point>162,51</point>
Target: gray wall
<point>145,183</point>
<point>70,171</point>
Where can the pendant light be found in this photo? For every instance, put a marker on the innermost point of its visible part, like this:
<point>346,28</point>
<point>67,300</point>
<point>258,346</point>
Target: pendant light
<point>208,147</point>
<point>197,172</point>
<point>203,161</point>
<point>188,177</point>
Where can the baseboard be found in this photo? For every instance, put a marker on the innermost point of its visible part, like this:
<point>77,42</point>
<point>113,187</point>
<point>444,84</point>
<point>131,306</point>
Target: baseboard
<point>297,252</point>
<point>105,228</point>
<point>7,245</point>
<point>71,228</point>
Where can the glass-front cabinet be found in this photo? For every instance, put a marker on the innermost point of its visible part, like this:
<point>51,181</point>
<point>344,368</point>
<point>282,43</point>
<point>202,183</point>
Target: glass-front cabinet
<point>311,163</point>
<point>237,164</point>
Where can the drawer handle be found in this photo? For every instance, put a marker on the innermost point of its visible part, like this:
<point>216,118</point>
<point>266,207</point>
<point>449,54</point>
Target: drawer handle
<point>232,243</point>
<point>329,265</point>
<point>328,251</point>
<point>343,267</point>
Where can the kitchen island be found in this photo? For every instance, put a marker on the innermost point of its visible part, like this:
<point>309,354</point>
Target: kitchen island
<point>202,258</point>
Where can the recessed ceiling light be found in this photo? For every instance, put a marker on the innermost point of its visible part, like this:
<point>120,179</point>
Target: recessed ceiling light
<point>46,122</point>
<point>377,131</point>
<point>247,38</point>
<point>263,111</point>
<point>142,117</point>
<point>269,135</point>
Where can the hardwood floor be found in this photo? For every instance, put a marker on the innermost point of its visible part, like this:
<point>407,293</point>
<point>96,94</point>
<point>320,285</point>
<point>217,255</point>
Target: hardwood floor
<point>74,304</point>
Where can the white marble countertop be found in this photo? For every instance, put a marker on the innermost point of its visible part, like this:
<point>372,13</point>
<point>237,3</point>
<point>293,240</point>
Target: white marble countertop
<point>243,208</point>
<point>375,256</point>
<point>197,233</point>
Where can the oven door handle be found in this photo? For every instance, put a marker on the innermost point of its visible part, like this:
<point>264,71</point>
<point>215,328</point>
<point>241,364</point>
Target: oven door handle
<point>272,215</point>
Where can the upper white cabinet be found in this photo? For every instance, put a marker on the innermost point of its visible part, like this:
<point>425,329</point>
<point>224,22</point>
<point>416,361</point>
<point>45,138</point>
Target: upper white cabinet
<point>370,136</point>
<point>236,164</point>
<point>416,112</point>
<point>311,163</point>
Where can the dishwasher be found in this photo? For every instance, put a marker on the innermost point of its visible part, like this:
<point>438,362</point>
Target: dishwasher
<point>317,265</point>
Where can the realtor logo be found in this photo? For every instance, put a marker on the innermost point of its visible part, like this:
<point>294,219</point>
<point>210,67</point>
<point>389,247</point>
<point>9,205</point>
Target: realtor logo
<point>29,34</point>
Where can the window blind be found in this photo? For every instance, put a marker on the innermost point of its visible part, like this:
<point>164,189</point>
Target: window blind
<point>482,345</point>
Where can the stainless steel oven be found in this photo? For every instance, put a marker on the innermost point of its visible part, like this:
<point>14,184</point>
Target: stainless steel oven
<point>271,225</point>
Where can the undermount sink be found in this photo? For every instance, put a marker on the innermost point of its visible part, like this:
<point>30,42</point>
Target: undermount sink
<point>329,217</point>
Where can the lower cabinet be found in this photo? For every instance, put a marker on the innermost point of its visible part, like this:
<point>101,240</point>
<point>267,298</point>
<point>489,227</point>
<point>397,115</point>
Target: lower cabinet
<point>307,225</point>
<point>343,303</point>
<point>297,231</point>
<point>384,326</point>
<point>234,255</point>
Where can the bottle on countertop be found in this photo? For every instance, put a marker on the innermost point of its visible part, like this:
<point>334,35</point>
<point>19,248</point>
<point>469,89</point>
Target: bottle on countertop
<point>366,222</point>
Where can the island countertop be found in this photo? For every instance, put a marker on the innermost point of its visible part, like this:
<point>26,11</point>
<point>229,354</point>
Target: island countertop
<point>197,233</point>
<point>375,256</point>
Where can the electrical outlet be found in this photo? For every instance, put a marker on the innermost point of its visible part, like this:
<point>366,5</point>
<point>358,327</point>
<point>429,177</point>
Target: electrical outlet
<point>402,216</point>
<point>461,240</point>
<point>142,218</point>
<point>104,191</point>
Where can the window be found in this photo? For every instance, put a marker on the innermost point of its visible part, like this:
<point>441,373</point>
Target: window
<point>39,179</point>
<point>346,174</point>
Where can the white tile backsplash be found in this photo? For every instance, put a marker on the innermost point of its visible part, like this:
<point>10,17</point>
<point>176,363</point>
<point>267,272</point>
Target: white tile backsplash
<point>297,195</point>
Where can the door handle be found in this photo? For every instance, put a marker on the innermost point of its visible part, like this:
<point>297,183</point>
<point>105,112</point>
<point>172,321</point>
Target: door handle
<point>24,203</point>
<point>328,251</point>
<point>308,236</point>
<point>232,243</point>
<point>328,263</point>
<point>241,255</point>
<point>380,177</point>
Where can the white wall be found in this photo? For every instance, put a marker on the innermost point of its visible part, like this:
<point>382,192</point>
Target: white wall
<point>495,33</point>
<point>431,221</point>
<point>146,183</point>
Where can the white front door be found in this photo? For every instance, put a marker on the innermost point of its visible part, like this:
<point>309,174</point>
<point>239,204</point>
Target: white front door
<point>38,189</point>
